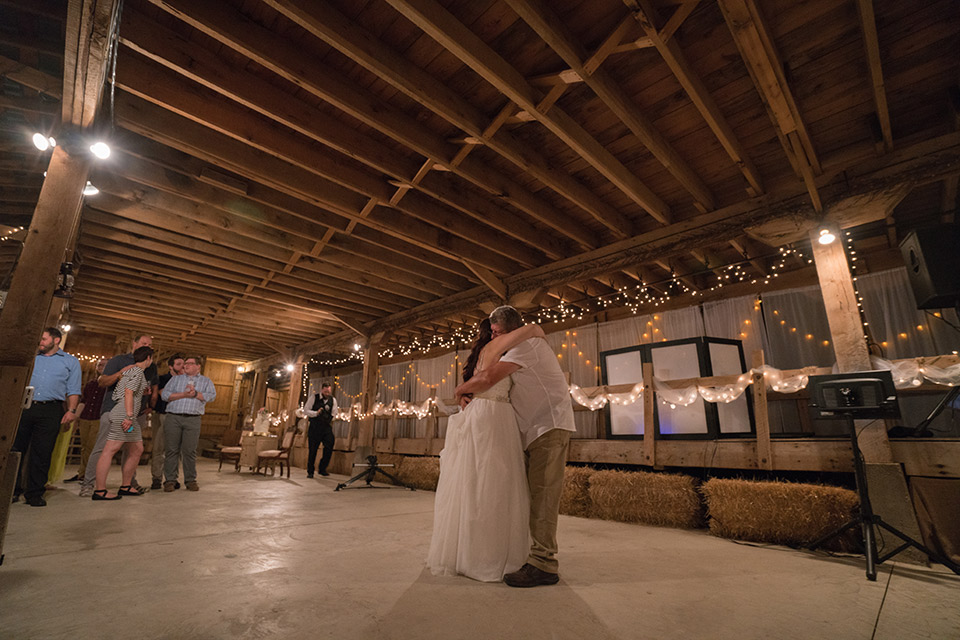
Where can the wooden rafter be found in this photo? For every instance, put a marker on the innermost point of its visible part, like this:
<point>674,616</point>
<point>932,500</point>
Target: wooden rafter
<point>868,23</point>
<point>756,46</point>
<point>672,54</point>
<point>443,27</point>
<point>537,14</point>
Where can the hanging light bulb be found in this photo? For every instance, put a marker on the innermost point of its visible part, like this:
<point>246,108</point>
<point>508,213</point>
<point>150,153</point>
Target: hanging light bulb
<point>100,149</point>
<point>90,190</point>
<point>41,141</point>
<point>826,237</point>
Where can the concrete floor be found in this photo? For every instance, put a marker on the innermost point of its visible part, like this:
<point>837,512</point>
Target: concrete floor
<point>252,557</point>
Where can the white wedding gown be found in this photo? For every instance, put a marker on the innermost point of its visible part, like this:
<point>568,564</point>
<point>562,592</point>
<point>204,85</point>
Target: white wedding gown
<point>482,509</point>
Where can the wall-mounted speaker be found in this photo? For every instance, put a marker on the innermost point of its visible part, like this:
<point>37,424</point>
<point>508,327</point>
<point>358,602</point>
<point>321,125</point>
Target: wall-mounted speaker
<point>932,257</point>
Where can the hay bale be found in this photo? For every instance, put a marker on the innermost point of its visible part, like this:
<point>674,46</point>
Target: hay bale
<point>661,499</point>
<point>575,498</point>
<point>420,472</point>
<point>388,458</point>
<point>778,512</point>
<point>340,463</point>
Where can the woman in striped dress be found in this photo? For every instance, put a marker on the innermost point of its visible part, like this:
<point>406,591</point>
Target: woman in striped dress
<point>124,428</point>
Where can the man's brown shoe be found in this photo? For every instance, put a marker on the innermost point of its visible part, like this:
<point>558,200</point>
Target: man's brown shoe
<point>169,486</point>
<point>193,486</point>
<point>529,576</point>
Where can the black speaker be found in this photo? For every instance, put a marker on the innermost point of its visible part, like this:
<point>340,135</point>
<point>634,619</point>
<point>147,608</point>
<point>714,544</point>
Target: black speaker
<point>932,256</point>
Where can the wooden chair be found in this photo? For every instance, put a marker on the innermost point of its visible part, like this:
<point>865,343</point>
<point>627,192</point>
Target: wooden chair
<point>270,457</point>
<point>230,448</point>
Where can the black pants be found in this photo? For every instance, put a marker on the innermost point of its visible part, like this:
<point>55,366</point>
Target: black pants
<point>319,434</point>
<point>38,431</point>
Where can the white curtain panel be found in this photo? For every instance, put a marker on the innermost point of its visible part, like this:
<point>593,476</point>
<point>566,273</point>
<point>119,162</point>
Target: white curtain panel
<point>396,383</point>
<point>737,319</point>
<point>798,334</point>
<point>346,384</point>
<point>618,334</point>
<point>897,325</point>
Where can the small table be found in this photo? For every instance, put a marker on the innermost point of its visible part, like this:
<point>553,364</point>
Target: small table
<point>252,445</point>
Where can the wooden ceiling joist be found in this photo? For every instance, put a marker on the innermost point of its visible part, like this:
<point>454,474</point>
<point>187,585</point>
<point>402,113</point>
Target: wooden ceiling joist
<point>443,27</point>
<point>868,23</point>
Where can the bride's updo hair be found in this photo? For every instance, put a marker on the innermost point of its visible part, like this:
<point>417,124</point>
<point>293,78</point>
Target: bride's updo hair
<point>484,335</point>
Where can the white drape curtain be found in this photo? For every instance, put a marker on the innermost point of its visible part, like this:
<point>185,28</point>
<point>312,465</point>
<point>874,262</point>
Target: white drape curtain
<point>896,325</point>
<point>395,383</point>
<point>798,334</point>
<point>441,373</point>
<point>737,319</point>
<point>346,391</point>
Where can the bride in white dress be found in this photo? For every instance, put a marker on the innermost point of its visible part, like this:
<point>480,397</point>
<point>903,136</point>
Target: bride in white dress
<point>481,514</point>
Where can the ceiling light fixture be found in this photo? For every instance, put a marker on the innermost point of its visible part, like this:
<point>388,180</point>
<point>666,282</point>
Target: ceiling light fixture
<point>90,190</point>
<point>826,236</point>
<point>100,149</point>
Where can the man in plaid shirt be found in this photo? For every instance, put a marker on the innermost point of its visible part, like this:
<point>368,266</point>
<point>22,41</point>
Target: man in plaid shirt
<point>185,395</point>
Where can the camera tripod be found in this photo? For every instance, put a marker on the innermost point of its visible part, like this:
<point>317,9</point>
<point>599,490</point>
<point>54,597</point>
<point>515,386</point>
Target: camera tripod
<point>868,521</point>
<point>371,469</point>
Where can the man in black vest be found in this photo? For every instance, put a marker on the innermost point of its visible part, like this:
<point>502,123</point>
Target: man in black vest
<point>323,406</point>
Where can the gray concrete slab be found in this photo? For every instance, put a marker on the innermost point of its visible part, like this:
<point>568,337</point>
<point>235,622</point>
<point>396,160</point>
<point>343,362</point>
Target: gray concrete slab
<point>251,557</point>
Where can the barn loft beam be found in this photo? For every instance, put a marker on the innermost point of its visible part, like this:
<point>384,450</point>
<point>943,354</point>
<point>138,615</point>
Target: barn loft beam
<point>265,99</point>
<point>282,57</point>
<point>758,51</point>
<point>549,27</point>
<point>327,24</point>
<point>671,53</point>
<point>868,23</point>
<point>31,77</point>
<point>164,88</point>
<point>233,155</point>
<point>443,27</point>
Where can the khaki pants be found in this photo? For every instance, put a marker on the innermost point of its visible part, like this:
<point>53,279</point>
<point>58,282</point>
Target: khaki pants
<point>88,437</point>
<point>546,459</point>
<point>158,453</point>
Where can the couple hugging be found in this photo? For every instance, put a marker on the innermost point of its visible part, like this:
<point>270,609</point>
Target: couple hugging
<point>501,468</point>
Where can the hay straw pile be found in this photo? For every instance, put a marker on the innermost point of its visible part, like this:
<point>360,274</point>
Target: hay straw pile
<point>388,458</point>
<point>420,472</point>
<point>340,463</point>
<point>778,512</point>
<point>575,498</point>
<point>650,498</point>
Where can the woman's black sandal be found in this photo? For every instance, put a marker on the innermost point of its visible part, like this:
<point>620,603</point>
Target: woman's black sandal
<point>128,490</point>
<point>101,494</point>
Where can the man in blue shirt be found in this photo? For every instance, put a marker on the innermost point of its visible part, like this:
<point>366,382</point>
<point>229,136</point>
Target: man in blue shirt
<point>186,396</point>
<point>55,381</point>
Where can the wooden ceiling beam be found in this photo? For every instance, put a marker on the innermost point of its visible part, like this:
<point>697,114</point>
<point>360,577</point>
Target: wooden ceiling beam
<point>453,35</point>
<point>326,23</point>
<point>30,104</point>
<point>559,38</point>
<point>757,49</point>
<point>698,93</point>
<point>163,87</point>
<point>868,23</point>
<point>31,77</point>
<point>51,9</point>
<point>176,172</point>
<point>199,141</point>
<point>280,56</point>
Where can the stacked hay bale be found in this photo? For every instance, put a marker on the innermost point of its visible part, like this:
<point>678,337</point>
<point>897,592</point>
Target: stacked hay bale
<point>575,498</point>
<point>340,463</point>
<point>779,512</point>
<point>661,499</point>
<point>388,458</point>
<point>420,472</point>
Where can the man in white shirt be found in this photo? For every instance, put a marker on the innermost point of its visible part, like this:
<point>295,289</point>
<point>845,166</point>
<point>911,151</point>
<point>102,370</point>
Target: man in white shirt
<point>541,399</point>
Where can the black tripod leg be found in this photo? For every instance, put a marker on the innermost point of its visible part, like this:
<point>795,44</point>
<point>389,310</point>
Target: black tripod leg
<point>870,550</point>
<point>395,479</point>
<point>363,473</point>
<point>910,542</point>
<point>836,532</point>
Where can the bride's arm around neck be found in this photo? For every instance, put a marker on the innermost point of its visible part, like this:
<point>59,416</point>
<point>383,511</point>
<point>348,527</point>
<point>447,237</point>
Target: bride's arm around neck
<point>501,344</point>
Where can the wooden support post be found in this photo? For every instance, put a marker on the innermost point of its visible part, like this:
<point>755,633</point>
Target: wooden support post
<point>432,425</point>
<point>886,480</point>
<point>846,329</point>
<point>761,415</point>
<point>235,402</point>
<point>33,284</point>
<point>649,425</point>
<point>371,367</point>
<point>259,398</point>
<point>296,388</point>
